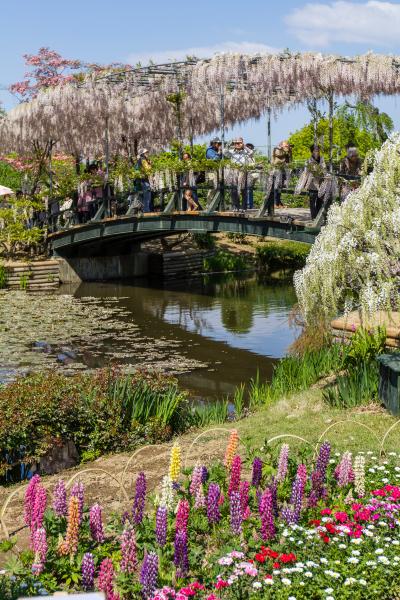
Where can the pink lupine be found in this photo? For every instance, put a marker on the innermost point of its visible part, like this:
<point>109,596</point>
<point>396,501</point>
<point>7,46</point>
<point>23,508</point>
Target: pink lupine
<point>283,463</point>
<point>236,469</point>
<point>96,523</point>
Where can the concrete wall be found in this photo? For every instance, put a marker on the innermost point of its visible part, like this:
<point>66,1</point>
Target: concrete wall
<point>103,268</point>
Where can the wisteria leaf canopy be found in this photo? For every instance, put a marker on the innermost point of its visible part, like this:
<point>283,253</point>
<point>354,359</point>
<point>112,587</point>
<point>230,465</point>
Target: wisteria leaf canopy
<point>134,105</point>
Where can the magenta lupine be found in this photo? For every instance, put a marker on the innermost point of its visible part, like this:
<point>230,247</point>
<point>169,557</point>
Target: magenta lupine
<point>181,560</point>
<point>182,515</point>
<point>30,495</point>
<point>96,523</point>
<point>39,546</point>
<point>128,551</point>
<point>161,525</point>
<point>105,580</point>
<point>257,472</point>
<point>149,574</point>
<point>87,570</point>
<point>60,499</point>
<point>302,473</point>
<point>235,513</point>
<point>140,498</point>
<point>282,463</point>
<point>267,515</point>
<point>38,508</point>
<point>273,487</point>
<point>195,481</point>
<point>213,496</point>
<point>244,498</point>
<point>78,490</point>
<point>236,470</point>
<point>345,473</point>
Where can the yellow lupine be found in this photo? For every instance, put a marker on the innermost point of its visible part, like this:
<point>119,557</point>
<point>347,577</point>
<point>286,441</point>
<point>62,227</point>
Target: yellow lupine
<point>231,448</point>
<point>175,462</point>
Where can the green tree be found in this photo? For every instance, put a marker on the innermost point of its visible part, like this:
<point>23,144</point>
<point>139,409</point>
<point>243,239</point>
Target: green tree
<point>14,234</point>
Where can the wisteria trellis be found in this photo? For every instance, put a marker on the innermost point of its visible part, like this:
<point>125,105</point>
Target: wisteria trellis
<point>75,115</point>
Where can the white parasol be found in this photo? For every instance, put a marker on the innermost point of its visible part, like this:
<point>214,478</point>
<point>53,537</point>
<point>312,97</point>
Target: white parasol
<point>6,191</point>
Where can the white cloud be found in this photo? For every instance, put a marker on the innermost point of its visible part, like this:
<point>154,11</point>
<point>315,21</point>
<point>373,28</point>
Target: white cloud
<point>164,56</point>
<point>372,22</point>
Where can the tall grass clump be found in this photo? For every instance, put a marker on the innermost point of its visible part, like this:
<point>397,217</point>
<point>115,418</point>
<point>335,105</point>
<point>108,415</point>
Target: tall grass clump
<point>274,256</point>
<point>3,277</point>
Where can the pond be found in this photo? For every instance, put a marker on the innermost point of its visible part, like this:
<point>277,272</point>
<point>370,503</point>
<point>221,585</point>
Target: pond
<point>213,332</point>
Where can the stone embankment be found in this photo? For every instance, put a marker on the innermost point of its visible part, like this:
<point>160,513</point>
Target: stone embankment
<point>33,276</point>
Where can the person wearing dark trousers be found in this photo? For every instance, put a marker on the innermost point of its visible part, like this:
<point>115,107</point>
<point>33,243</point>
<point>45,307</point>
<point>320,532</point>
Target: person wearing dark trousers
<point>311,178</point>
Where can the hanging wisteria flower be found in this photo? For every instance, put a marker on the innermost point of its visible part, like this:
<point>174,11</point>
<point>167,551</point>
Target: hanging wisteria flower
<point>128,551</point>
<point>257,472</point>
<point>78,490</point>
<point>96,523</point>
<point>161,525</point>
<point>60,499</point>
<point>213,496</point>
<point>283,463</point>
<point>181,560</point>
<point>235,513</point>
<point>231,448</point>
<point>182,515</point>
<point>88,570</point>
<point>39,546</point>
<point>140,499</point>
<point>359,475</point>
<point>175,463</point>
<point>236,470</point>
<point>149,574</point>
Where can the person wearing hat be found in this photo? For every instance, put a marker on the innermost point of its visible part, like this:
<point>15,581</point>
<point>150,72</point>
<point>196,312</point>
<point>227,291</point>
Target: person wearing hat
<point>143,165</point>
<point>242,156</point>
<point>350,169</point>
<point>214,150</point>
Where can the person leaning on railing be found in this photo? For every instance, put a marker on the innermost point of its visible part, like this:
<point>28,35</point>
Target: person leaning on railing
<point>350,167</point>
<point>279,174</point>
<point>311,179</point>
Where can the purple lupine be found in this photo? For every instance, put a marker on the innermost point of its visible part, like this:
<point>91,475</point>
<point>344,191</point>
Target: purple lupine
<point>235,513</point>
<point>296,499</point>
<point>182,515</point>
<point>257,472</point>
<point>318,490</point>
<point>181,560</point>
<point>267,515</point>
<point>149,574</point>
<point>78,490</point>
<point>345,470</point>
<point>244,498</point>
<point>213,496</point>
<point>323,459</point>
<point>161,525</point>
<point>96,523</point>
<point>195,481</point>
<point>204,474</point>
<point>140,498</point>
<point>287,515</point>
<point>236,470</point>
<point>87,570</point>
<point>60,499</point>
<point>40,547</point>
<point>30,495</point>
<point>283,463</point>
<point>128,551</point>
<point>38,508</point>
<point>273,487</point>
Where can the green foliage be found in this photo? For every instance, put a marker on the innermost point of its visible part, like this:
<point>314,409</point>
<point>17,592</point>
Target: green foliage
<point>204,241</point>
<point>225,261</point>
<point>14,235</point>
<point>210,413</point>
<point>282,255</point>
<point>101,413</point>
<point>9,176</point>
<point>359,386</point>
<point>3,276</point>
<point>365,346</point>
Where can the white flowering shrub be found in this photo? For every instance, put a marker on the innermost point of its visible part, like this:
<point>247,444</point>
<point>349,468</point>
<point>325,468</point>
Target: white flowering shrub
<point>355,261</point>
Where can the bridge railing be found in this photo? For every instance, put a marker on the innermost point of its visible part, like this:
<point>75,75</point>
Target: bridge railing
<point>232,190</point>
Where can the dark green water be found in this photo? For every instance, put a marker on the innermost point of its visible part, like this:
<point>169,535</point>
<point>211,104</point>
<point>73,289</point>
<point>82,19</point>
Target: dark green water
<point>237,326</point>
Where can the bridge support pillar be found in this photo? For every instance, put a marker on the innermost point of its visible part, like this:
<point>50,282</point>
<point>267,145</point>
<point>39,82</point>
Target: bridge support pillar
<point>103,268</point>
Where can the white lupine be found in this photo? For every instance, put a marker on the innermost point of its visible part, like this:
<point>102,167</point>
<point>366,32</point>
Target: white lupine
<point>359,475</point>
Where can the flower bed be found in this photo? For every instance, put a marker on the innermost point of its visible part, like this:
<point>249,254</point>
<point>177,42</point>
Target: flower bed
<point>253,527</point>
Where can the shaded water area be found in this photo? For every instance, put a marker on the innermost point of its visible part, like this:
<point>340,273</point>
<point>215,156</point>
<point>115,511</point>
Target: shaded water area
<point>212,332</point>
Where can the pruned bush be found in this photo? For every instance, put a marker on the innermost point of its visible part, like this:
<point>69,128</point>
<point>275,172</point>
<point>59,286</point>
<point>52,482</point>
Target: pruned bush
<point>275,256</point>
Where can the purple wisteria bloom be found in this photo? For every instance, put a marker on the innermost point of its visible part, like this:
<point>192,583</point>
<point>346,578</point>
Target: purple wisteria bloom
<point>60,499</point>
<point>213,496</point>
<point>87,569</point>
<point>149,574</point>
<point>140,499</point>
<point>161,525</point>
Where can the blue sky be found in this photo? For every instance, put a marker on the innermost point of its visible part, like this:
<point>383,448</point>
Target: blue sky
<point>105,31</point>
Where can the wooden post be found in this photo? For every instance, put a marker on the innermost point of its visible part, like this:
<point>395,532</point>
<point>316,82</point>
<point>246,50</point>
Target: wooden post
<point>331,109</point>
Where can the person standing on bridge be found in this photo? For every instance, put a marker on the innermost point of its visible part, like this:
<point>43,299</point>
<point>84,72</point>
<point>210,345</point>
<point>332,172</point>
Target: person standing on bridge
<point>311,179</point>
<point>214,150</point>
<point>279,174</point>
<point>143,165</point>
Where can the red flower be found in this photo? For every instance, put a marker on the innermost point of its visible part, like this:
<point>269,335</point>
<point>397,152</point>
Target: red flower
<point>221,584</point>
<point>276,565</point>
<point>316,522</point>
<point>260,558</point>
<point>330,528</point>
<point>342,517</point>
<point>268,552</point>
<point>287,558</point>
<point>268,577</point>
<point>326,511</point>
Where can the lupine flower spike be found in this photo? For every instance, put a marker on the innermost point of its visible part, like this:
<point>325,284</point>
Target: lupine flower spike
<point>87,569</point>
<point>175,463</point>
<point>231,448</point>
